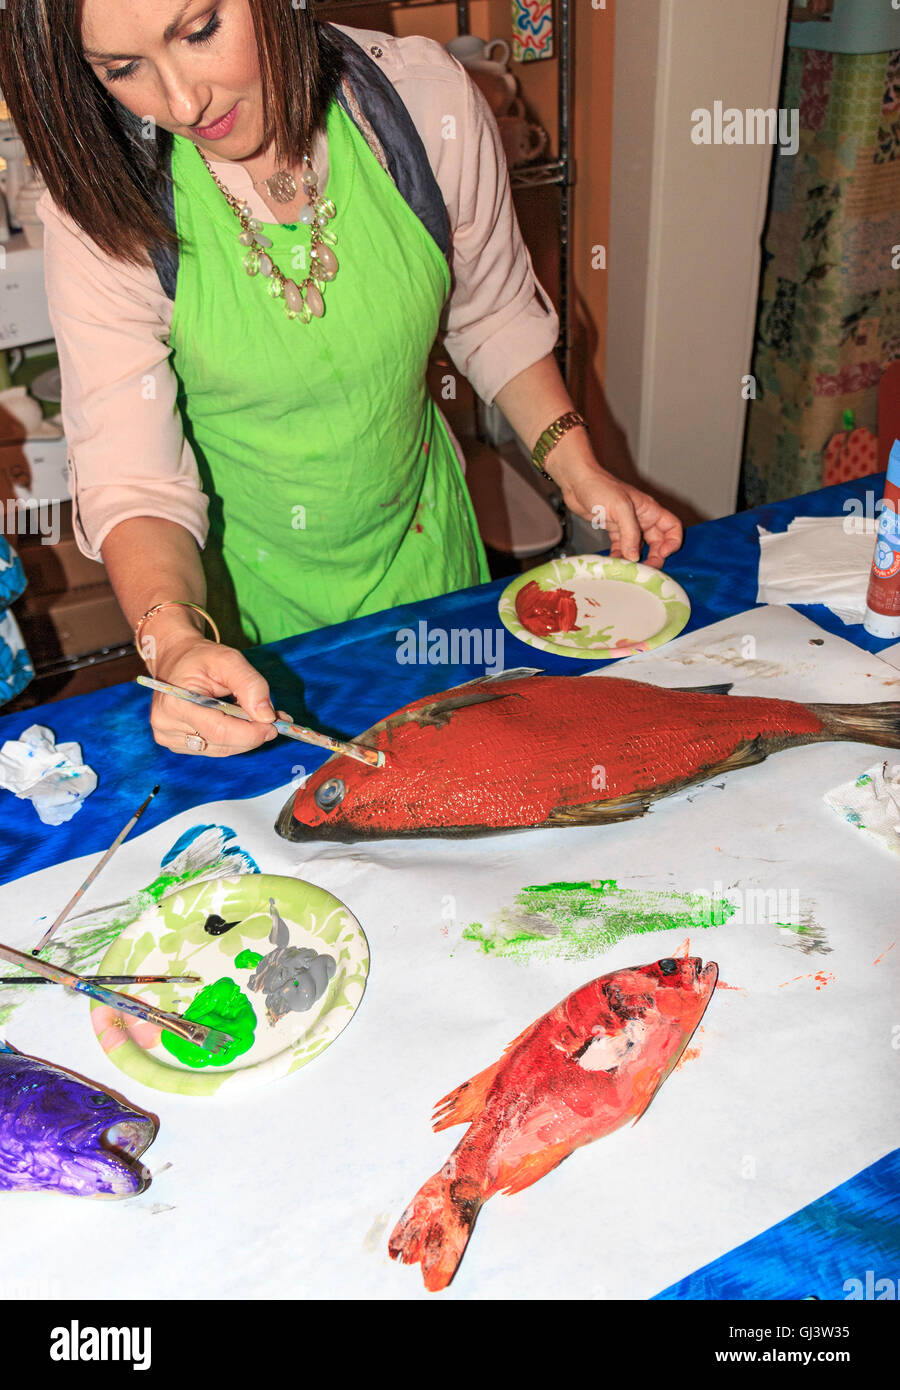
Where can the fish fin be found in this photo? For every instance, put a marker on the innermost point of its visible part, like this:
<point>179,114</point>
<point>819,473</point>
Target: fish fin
<point>877,723</point>
<point>438,713</point>
<point>462,1105</point>
<point>638,803</point>
<point>516,673</point>
<point>536,1166</point>
<point>602,812</point>
<point>725,688</point>
<point>435,1228</point>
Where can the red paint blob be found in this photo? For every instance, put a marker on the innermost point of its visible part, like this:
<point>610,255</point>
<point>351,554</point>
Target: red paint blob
<point>544,611</point>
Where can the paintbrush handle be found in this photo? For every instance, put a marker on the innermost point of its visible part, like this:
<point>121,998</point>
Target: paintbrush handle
<point>106,980</point>
<point>372,756</point>
<point>122,1003</point>
<point>79,892</point>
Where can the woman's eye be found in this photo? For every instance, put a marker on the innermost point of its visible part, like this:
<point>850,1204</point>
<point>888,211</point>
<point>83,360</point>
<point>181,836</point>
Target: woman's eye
<point>209,30</point>
<point>204,35</point>
<point>116,74</point>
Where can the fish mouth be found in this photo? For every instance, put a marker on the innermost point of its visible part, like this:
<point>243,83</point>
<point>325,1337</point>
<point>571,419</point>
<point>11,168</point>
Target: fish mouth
<point>122,1145</point>
<point>289,828</point>
<point>708,973</point>
<point>129,1138</point>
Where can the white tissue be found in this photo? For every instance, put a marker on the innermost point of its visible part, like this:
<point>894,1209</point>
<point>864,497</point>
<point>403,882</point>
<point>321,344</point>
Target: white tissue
<point>50,775</point>
<point>872,804</point>
<point>818,559</point>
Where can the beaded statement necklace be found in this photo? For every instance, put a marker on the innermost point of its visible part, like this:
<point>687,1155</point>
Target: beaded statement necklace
<point>303,299</point>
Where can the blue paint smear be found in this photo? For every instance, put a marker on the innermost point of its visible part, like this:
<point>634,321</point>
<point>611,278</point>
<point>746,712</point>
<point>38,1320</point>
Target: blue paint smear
<point>244,862</point>
<point>852,1229</point>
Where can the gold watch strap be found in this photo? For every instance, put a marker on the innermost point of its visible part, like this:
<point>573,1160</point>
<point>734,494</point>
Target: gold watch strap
<point>551,436</point>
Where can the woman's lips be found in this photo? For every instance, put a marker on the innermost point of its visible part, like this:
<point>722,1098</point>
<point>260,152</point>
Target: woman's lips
<point>222,127</point>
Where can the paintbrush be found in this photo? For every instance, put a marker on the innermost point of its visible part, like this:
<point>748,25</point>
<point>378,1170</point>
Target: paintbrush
<point>210,1039</point>
<point>373,756</point>
<point>107,980</point>
<point>94,872</point>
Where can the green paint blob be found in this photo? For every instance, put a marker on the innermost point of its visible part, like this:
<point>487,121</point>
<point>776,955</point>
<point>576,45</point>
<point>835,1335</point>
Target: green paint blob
<point>221,1005</point>
<point>573,921</point>
<point>247,960</point>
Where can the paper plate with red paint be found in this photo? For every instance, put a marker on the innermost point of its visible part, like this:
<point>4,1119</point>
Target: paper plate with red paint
<point>282,968</point>
<point>594,606</point>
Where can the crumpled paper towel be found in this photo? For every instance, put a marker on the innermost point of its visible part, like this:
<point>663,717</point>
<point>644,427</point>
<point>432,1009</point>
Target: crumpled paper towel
<point>872,803</point>
<point>51,775</point>
<point>818,559</point>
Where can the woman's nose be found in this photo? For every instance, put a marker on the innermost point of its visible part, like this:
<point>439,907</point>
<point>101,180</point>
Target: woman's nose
<point>188,102</point>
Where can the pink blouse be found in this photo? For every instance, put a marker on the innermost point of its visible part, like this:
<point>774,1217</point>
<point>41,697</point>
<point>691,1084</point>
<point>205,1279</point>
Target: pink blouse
<point>127,455</point>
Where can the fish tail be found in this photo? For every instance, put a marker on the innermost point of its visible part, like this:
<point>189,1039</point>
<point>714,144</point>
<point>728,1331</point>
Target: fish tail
<point>878,723</point>
<point>435,1228</point>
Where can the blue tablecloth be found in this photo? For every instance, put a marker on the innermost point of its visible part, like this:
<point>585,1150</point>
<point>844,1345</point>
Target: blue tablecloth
<point>345,678</point>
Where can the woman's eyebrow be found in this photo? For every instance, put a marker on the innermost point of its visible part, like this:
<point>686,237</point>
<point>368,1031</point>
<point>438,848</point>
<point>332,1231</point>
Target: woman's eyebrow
<point>171,29</point>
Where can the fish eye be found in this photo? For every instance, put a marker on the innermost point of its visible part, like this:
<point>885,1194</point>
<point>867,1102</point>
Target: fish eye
<point>668,966</point>
<point>330,794</point>
<point>97,1100</point>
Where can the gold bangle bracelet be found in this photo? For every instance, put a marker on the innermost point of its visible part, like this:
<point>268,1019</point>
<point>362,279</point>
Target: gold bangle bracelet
<point>169,603</point>
<point>551,437</point>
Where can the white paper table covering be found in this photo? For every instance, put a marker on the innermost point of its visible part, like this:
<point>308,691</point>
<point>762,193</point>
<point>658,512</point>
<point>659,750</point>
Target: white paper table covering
<point>292,1190</point>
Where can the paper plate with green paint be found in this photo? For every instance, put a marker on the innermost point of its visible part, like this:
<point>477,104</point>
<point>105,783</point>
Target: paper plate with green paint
<point>266,980</point>
<point>594,606</point>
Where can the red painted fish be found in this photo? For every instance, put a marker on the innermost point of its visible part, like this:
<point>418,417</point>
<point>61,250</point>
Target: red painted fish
<point>585,1068</point>
<point>527,749</point>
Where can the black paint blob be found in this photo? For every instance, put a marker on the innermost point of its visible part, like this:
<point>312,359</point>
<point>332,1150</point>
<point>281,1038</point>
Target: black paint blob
<point>216,925</point>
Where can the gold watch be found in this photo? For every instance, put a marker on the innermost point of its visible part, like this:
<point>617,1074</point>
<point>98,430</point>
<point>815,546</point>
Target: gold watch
<point>551,436</point>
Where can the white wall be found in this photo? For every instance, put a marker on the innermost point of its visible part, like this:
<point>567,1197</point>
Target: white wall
<point>684,249</point>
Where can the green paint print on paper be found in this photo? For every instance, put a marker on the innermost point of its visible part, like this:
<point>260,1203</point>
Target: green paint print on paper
<point>573,921</point>
<point>247,960</point>
<point>222,1005</point>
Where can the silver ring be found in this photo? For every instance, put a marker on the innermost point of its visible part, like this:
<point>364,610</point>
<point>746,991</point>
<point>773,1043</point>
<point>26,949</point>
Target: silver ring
<point>195,742</point>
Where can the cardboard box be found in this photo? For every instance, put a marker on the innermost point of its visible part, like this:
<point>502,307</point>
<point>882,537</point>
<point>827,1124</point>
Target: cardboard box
<point>56,626</point>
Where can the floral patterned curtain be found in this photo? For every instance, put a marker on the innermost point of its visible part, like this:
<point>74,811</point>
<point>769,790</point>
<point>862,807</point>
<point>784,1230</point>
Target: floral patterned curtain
<point>829,310</point>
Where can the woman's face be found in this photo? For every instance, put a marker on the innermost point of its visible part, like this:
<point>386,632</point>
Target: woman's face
<point>190,65</point>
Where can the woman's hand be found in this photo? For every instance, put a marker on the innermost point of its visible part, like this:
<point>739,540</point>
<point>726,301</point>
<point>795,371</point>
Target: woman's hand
<point>628,514</point>
<point>210,669</point>
<point>530,401</point>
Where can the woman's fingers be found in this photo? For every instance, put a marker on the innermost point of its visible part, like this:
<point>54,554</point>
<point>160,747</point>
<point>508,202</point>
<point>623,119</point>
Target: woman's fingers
<point>210,669</point>
<point>234,672</point>
<point>177,720</point>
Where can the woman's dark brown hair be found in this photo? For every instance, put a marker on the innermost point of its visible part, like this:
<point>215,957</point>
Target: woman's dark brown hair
<point>92,152</point>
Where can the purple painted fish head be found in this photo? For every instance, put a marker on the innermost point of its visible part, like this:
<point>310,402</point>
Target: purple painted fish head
<point>61,1134</point>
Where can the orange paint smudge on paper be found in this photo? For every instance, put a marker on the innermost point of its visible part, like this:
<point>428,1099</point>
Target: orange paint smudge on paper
<point>720,984</point>
<point>684,949</point>
<point>822,978</point>
<point>690,1053</point>
<point>884,953</point>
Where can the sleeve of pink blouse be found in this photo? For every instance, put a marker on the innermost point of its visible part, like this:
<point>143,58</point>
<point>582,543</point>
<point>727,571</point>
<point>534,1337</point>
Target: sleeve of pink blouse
<point>499,319</point>
<point>127,455</point>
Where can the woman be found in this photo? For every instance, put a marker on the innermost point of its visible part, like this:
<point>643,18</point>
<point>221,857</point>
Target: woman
<point>288,375</point>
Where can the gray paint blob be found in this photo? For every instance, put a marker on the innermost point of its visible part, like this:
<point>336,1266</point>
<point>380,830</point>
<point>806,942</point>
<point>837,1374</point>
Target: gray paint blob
<point>293,978</point>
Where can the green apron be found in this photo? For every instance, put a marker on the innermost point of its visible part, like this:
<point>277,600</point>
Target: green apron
<point>334,490</point>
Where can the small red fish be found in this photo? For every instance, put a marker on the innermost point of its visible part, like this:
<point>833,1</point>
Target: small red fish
<point>527,749</point>
<point>544,611</point>
<point>584,1069</point>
